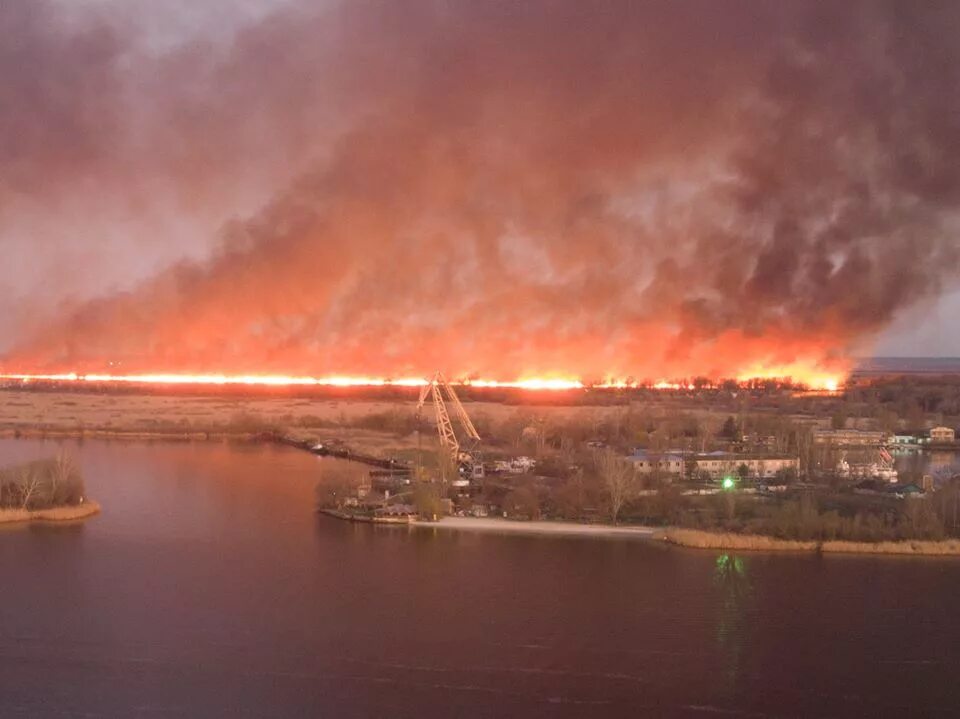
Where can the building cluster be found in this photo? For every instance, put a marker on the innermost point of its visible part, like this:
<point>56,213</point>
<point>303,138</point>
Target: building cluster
<point>921,437</point>
<point>850,437</point>
<point>877,438</point>
<point>714,465</point>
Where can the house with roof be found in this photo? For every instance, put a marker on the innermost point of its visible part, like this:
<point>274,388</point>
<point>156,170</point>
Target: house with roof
<point>942,435</point>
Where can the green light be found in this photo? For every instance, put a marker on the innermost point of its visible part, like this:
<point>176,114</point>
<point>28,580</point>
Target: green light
<point>728,482</point>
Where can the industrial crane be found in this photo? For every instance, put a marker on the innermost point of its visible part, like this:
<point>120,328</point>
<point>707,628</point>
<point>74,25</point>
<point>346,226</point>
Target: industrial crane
<point>463,456</point>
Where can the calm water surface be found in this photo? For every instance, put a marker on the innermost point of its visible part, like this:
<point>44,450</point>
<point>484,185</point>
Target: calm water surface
<point>942,465</point>
<point>208,588</point>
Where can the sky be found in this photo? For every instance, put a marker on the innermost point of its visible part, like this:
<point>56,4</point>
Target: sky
<point>930,331</point>
<point>555,188</point>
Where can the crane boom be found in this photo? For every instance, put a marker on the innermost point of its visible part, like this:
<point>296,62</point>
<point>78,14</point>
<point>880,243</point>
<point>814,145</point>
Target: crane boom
<point>448,438</point>
<point>461,413</point>
<point>437,388</point>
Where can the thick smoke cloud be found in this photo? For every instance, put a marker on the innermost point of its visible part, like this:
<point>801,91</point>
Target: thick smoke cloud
<point>502,189</point>
<point>59,98</point>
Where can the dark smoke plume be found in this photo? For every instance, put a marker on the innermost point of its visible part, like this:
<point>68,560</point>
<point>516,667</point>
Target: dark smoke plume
<point>658,189</point>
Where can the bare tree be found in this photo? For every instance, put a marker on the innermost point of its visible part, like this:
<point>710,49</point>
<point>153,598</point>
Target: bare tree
<point>29,483</point>
<point>804,440</point>
<point>62,470</point>
<point>619,479</point>
<point>65,480</point>
<point>428,500</point>
<point>540,424</point>
<point>523,502</point>
<point>337,484</point>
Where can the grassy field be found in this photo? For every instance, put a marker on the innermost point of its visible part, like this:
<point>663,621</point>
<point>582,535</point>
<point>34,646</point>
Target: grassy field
<point>355,421</point>
<point>23,407</point>
<point>146,412</point>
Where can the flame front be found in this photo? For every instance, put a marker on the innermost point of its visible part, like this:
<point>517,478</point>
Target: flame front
<point>813,379</point>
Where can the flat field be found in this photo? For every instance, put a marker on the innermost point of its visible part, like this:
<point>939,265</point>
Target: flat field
<point>376,425</point>
<point>23,408</point>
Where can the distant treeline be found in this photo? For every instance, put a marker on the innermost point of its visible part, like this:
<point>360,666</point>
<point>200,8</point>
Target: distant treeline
<point>42,484</point>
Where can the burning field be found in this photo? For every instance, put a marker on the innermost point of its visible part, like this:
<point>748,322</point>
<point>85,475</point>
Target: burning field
<point>812,381</point>
<point>524,194</point>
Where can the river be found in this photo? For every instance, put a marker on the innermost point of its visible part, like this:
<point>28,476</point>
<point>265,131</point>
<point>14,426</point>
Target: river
<point>940,464</point>
<point>209,588</point>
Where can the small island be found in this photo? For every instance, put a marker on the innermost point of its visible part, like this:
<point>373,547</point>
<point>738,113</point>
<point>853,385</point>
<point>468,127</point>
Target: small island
<point>44,490</point>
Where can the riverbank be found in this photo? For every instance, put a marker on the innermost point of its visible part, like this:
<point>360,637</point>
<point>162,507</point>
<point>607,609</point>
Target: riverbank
<point>688,538</point>
<point>54,514</point>
<point>541,527</point>
<point>364,518</point>
<point>693,539</point>
<point>697,539</point>
<point>124,435</point>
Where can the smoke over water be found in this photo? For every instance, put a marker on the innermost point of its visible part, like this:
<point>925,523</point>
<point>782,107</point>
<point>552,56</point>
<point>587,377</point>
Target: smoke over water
<point>501,189</point>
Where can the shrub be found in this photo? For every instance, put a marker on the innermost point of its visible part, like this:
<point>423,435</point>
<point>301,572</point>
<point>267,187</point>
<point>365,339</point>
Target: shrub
<point>42,484</point>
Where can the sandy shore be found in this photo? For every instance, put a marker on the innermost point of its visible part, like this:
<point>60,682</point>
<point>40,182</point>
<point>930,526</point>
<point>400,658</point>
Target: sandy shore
<point>752,542</point>
<point>57,514</point>
<point>510,526</point>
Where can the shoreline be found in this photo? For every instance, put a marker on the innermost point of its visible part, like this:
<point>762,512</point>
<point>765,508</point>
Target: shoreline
<point>537,527</point>
<point>365,519</point>
<point>127,435</point>
<point>54,514</point>
<point>697,539</point>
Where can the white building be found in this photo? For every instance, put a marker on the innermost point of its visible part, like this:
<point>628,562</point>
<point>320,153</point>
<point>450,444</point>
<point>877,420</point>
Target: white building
<point>761,466</point>
<point>942,435</point>
<point>649,462</point>
<point>716,465</point>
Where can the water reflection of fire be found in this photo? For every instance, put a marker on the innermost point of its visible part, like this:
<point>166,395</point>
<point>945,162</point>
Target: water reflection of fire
<point>735,593</point>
